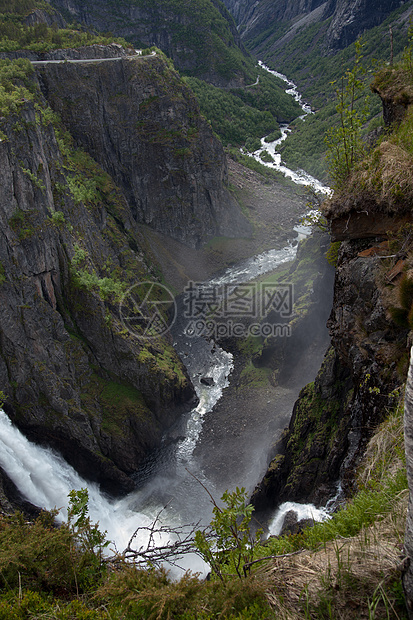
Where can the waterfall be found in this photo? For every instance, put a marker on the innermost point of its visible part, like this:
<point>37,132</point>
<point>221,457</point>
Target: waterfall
<point>45,479</point>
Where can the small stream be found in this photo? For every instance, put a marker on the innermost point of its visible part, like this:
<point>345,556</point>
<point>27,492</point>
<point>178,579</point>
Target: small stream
<point>300,177</point>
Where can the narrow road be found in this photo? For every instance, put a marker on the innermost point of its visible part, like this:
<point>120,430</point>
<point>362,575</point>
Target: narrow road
<point>87,60</point>
<point>255,83</point>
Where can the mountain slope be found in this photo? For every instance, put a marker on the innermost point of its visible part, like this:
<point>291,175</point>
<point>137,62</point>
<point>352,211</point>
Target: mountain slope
<point>199,35</point>
<point>266,26</point>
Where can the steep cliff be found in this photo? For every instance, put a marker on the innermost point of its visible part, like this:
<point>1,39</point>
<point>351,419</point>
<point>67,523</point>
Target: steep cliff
<point>365,367</point>
<point>138,120</point>
<point>266,28</point>
<point>250,11</point>
<point>75,376</point>
<point>334,416</point>
<point>200,36</point>
<point>350,18</point>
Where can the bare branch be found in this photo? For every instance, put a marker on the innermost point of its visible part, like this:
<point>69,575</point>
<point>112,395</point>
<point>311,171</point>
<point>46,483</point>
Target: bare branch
<point>179,541</point>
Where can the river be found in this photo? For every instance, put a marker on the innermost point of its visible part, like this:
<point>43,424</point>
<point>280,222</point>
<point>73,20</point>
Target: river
<point>170,480</point>
<point>300,177</point>
<point>171,477</point>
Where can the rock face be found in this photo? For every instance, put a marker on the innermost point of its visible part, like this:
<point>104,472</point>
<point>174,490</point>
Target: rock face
<point>350,18</point>
<point>200,37</point>
<point>251,10</point>
<point>269,26</point>
<point>334,416</point>
<point>75,377</point>
<point>136,118</point>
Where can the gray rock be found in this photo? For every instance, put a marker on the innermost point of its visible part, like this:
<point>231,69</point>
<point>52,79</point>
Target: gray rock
<point>143,126</point>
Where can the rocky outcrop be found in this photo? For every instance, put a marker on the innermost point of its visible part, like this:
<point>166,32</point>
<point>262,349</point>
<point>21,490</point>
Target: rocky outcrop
<point>335,416</point>
<point>350,18</point>
<point>75,377</point>
<point>366,225</point>
<point>139,121</point>
<point>256,18</point>
<point>378,194</point>
<point>393,85</point>
<point>49,17</point>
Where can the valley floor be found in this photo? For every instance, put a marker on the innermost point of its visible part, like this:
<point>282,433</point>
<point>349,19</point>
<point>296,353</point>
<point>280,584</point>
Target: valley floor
<point>273,207</point>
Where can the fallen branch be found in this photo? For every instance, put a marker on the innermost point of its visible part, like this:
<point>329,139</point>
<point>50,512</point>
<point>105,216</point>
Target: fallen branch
<point>164,545</point>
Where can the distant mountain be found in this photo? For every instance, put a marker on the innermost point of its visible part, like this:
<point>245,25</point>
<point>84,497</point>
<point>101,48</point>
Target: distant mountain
<point>264,24</point>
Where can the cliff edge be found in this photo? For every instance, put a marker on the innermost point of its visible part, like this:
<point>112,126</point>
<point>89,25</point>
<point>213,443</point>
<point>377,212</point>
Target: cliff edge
<point>75,376</point>
<point>365,368</point>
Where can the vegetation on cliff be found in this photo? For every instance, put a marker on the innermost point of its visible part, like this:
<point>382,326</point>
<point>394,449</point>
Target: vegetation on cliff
<point>15,86</point>
<point>382,179</point>
<point>41,33</point>
<point>200,35</point>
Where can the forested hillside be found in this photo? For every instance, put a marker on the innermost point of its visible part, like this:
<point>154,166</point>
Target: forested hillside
<point>310,44</point>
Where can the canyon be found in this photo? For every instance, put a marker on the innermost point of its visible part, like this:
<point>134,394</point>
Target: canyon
<point>112,176</point>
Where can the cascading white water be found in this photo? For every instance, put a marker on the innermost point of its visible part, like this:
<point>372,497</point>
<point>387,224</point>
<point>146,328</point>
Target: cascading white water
<point>300,177</point>
<point>303,511</point>
<point>257,265</point>
<point>45,479</point>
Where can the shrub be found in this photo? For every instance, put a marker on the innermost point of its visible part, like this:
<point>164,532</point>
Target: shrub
<point>58,219</point>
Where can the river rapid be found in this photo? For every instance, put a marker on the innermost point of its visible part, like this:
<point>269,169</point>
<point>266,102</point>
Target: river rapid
<point>170,485</point>
<point>170,479</point>
<point>300,177</point>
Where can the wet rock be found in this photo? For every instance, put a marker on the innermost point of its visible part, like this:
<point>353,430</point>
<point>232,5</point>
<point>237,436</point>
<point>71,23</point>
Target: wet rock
<point>209,381</point>
<point>291,524</point>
